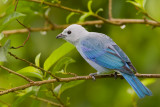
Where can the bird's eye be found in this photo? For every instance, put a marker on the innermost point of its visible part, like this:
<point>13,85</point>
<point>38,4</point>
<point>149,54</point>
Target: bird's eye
<point>69,32</point>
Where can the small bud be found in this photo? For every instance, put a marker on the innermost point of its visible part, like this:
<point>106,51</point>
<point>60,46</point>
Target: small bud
<point>123,26</point>
<point>43,32</point>
<point>98,26</point>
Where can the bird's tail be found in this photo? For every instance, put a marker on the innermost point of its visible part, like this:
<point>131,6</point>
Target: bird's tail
<point>136,84</point>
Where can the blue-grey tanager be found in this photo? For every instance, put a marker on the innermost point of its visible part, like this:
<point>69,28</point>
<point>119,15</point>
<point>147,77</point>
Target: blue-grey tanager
<point>103,54</point>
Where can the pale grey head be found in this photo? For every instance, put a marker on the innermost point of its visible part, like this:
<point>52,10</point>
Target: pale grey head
<point>73,33</point>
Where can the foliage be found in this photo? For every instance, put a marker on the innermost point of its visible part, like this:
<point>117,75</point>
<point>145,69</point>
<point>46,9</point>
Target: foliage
<point>9,19</point>
<point>60,52</point>
<point>4,51</point>
<point>135,40</point>
<point>139,3</point>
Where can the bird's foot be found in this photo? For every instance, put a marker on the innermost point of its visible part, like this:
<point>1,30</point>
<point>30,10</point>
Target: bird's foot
<point>115,75</point>
<point>93,75</point>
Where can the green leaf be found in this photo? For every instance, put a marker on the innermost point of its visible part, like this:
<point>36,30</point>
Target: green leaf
<point>56,1</point>
<point>10,18</point>
<point>4,1</point>
<point>2,55</point>
<point>4,51</point>
<point>27,90</point>
<point>62,64</point>
<point>89,6</point>
<point>99,10</point>
<point>7,46</point>
<point>134,3</point>
<point>31,72</point>
<point>69,16</point>
<point>138,3</point>
<point>69,85</point>
<point>37,60</point>
<point>1,36</point>
<point>84,16</point>
<point>57,89</point>
<point>57,54</point>
<point>144,3</point>
<point>148,81</point>
<point>68,101</point>
<point>47,12</point>
<point>38,93</point>
<point>20,99</point>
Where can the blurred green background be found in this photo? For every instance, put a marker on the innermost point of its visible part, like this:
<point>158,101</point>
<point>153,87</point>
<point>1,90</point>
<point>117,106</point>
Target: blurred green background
<point>140,42</point>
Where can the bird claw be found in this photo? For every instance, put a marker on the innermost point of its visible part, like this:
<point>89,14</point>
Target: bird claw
<point>93,76</point>
<point>115,75</point>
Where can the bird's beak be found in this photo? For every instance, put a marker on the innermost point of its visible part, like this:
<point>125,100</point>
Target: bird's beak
<point>60,36</point>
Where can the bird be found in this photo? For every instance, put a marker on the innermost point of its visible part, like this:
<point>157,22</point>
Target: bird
<point>104,55</point>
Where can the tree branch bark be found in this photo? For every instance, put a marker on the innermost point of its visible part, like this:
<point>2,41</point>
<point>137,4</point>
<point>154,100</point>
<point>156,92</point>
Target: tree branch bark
<point>122,21</point>
<point>47,101</point>
<point>37,83</point>
<point>110,9</point>
<point>31,64</point>
<point>13,72</point>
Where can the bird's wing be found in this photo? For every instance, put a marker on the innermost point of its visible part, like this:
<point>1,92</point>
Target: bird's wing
<point>124,57</point>
<point>103,52</point>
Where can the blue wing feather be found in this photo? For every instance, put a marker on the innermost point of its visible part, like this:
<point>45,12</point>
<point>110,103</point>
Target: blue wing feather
<point>124,57</point>
<point>102,58</point>
<point>106,56</point>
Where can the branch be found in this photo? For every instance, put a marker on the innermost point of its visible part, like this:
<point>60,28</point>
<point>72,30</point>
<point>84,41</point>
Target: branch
<point>83,12</point>
<point>58,99</point>
<point>146,14</point>
<point>37,83</point>
<point>29,32</point>
<point>122,21</point>
<point>8,105</point>
<point>37,98</point>
<point>110,9</point>
<point>13,72</point>
<point>101,21</point>
<point>74,10</point>
<point>46,101</point>
<point>31,64</point>
<point>58,6</point>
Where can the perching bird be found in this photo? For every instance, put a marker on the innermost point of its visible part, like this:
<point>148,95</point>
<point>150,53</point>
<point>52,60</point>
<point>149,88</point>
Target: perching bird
<point>103,54</point>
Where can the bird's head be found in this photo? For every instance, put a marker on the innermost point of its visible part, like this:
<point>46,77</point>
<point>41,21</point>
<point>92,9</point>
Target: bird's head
<point>73,33</point>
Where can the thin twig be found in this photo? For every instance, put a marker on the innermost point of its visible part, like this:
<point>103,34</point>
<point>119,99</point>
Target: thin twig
<point>5,103</point>
<point>37,83</point>
<point>74,10</point>
<point>146,14</point>
<point>80,11</point>
<point>110,9</point>
<point>46,101</point>
<point>13,72</point>
<point>106,21</point>
<point>16,5</point>
<point>58,99</point>
<point>70,73</point>
<point>31,64</point>
<point>58,6</point>
<point>37,98</point>
<point>101,21</point>
<point>51,25</point>
<point>29,32</point>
